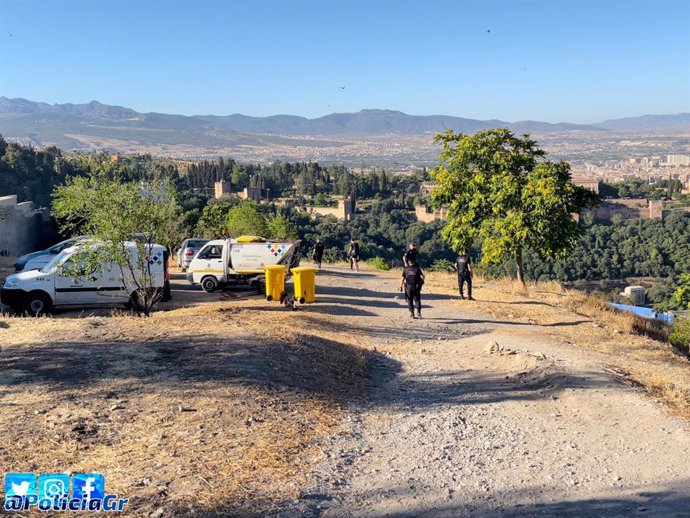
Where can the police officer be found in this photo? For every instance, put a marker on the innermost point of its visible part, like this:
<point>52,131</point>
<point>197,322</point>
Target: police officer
<point>463,265</point>
<point>410,255</point>
<point>318,253</point>
<point>412,280</point>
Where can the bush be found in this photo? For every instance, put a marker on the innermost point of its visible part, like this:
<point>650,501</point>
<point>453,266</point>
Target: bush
<point>378,263</point>
<point>442,265</point>
<point>680,334</point>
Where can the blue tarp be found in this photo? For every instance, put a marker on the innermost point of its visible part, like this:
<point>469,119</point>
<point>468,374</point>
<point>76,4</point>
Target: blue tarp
<point>644,312</point>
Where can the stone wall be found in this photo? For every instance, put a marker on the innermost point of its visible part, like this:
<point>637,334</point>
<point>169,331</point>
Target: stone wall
<point>344,212</point>
<point>424,215</point>
<point>23,228</point>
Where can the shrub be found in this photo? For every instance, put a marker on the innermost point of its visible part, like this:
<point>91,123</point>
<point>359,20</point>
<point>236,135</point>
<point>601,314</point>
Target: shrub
<point>379,264</point>
<point>680,334</point>
<point>441,265</point>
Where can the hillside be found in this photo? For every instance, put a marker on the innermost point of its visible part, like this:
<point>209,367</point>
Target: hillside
<point>382,138</point>
<point>349,408</point>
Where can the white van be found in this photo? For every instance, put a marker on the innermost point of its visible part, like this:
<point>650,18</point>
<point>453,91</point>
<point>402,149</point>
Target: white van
<point>239,261</point>
<point>36,292</point>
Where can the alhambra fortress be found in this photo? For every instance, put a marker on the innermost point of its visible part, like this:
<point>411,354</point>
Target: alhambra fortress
<point>345,210</point>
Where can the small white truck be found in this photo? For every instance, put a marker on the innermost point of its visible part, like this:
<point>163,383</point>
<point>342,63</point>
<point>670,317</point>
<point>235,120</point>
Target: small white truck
<point>224,262</point>
<point>37,291</point>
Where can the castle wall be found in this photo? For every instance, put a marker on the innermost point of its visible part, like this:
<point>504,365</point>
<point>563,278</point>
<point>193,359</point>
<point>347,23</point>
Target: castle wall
<point>23,229</point>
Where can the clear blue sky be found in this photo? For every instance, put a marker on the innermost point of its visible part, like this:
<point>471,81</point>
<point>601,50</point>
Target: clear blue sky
<point>552,60</point>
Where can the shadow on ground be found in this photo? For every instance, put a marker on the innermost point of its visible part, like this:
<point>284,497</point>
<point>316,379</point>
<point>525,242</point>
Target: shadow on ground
<point>310,365</point>
<point>667,503</point>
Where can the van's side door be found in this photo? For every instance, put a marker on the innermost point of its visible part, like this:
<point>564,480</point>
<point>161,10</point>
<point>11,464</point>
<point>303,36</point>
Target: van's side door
<point>74,289</point>
<point>110,285</point>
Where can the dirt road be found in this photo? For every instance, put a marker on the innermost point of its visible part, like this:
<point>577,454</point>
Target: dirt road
<point>227,405</point>
<point>458,426</point>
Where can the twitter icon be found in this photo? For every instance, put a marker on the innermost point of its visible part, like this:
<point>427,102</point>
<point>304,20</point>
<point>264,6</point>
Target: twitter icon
<point>20,484</point>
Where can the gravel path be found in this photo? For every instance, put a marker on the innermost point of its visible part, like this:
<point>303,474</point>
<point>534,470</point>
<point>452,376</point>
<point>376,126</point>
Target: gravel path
<point>454,427</point>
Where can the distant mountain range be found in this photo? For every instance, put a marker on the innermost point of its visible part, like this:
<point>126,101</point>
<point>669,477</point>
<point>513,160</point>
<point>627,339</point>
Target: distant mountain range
<point>94,125</point>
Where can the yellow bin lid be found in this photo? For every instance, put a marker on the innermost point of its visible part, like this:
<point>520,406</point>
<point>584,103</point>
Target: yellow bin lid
<point>274,267</point>
<point>301,269</point>
<point>250,239</point>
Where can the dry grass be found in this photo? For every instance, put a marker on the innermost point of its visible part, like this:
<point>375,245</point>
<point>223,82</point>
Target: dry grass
<point>196,410</point>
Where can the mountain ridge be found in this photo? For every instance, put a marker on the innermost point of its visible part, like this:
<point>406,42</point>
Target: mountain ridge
<point>366,121</point>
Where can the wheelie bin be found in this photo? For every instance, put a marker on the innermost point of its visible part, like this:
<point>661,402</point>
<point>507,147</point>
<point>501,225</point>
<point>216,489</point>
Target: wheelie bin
<point>275,281</point>
<point>304,281</point>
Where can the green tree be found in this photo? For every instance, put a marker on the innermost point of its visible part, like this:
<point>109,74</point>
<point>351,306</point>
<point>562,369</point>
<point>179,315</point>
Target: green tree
<point>246,219</point>
<point>214,217</point>
<point>500,189</point>
<point>682,295</point>
<point>114,213</point>
<point>279,227</point>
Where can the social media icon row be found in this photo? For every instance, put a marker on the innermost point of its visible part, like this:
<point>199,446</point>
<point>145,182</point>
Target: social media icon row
<point>87,486</point>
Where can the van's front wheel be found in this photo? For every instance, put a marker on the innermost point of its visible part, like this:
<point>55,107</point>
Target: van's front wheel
<point>36,304</point>
<point>209,284</point>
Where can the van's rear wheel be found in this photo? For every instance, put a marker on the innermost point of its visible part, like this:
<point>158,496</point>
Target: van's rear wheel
<point>209,284</point>
<point>36,304</point>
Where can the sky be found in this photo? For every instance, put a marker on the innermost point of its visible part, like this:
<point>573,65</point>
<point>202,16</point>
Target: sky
<point>552,60</point>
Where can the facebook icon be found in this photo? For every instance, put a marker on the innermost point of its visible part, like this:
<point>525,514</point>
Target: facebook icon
<point>88,486</point>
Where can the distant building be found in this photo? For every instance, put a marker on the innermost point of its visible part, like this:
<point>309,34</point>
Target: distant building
<point>345,211</point>
<point>635,293</point>
<point>627,209</point>
<point>23,228</point>
<point>425,215</point>
<point>224,188</point>
<point>678,160</point>
<point>587,182</point>
<point>250,193</point>
<point>425,189</point>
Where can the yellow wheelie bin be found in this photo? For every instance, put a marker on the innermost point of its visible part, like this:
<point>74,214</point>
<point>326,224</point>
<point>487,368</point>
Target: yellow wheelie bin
<point>275,281</point>
<point>304,280</point>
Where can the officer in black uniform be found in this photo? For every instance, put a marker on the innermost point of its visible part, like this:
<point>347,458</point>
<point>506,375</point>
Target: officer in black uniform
<point>410,255</point>
<point>463,265</point>
<point>318,253</point>
<point>412,281</point>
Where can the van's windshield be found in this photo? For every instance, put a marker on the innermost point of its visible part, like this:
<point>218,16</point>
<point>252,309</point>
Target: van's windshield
<point>54,262</point>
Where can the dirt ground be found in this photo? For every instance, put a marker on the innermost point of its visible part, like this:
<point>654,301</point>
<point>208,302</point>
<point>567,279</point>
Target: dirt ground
<point>228,405</point>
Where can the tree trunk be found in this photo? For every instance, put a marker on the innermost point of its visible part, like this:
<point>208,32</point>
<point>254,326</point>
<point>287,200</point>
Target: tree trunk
<point>519,268</point>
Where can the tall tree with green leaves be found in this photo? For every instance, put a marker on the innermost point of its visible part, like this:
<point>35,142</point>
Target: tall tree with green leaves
<point>500,190</point>
<point>245,219</point>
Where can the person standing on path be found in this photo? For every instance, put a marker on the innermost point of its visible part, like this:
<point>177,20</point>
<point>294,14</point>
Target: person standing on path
<point>318,253</point>
<point>463,265</point>
<point>412,281</point>
<point>410,255</point>
<point>353,254</point>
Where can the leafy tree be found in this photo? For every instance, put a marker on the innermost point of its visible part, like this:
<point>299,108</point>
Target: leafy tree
<point>279,227</point>
<point>214,217</point>
<point>682,295</point>
<point>246,219</point>
<point>500,190</point>
<point>114,213</point>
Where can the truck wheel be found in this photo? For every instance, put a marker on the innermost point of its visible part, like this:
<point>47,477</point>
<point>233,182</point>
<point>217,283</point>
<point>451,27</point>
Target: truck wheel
<point>209,284</point>
<point>36,304</point>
